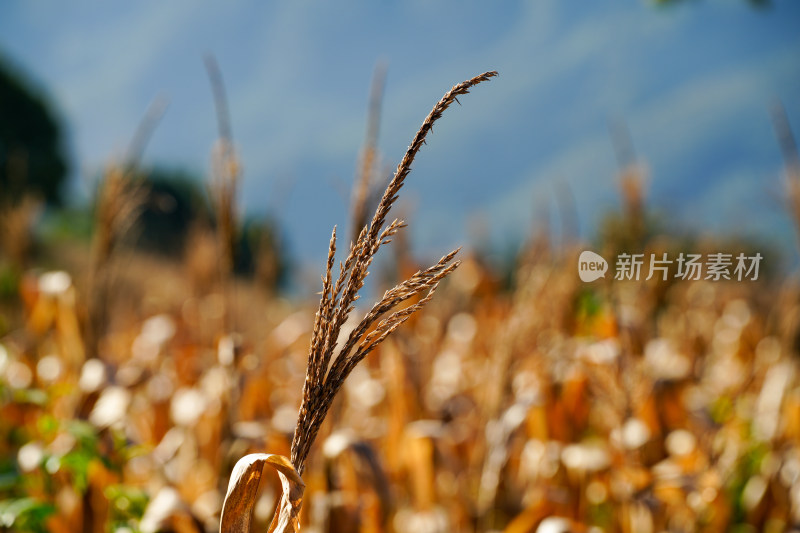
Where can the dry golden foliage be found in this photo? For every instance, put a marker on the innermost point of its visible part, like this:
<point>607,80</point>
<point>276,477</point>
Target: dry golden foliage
<point>237,511</point>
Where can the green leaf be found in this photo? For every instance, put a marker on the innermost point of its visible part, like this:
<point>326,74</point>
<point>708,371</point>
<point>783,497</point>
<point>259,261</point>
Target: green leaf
<point>25,515</point>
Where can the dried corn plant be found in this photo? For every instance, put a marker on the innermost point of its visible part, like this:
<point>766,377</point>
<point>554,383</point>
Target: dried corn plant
<point>225,177</point>
<point>17,211</point>
<point>629,230</point>
<point>363,191</point>
<point>16,224</point>
<point>120,198</point>
<point>791,160</point>
<point>331,358</point>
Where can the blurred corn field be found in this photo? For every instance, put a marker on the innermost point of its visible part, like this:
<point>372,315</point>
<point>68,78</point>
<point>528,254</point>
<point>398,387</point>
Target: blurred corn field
<point>130,384</point>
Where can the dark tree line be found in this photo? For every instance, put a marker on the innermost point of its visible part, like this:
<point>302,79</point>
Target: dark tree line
<point>31,152</point>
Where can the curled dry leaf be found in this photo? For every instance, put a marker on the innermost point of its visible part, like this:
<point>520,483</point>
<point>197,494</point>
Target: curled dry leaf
<point>237,511</point>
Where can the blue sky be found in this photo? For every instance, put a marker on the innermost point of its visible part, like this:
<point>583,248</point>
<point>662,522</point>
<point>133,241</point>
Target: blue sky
<point>693,83</point>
